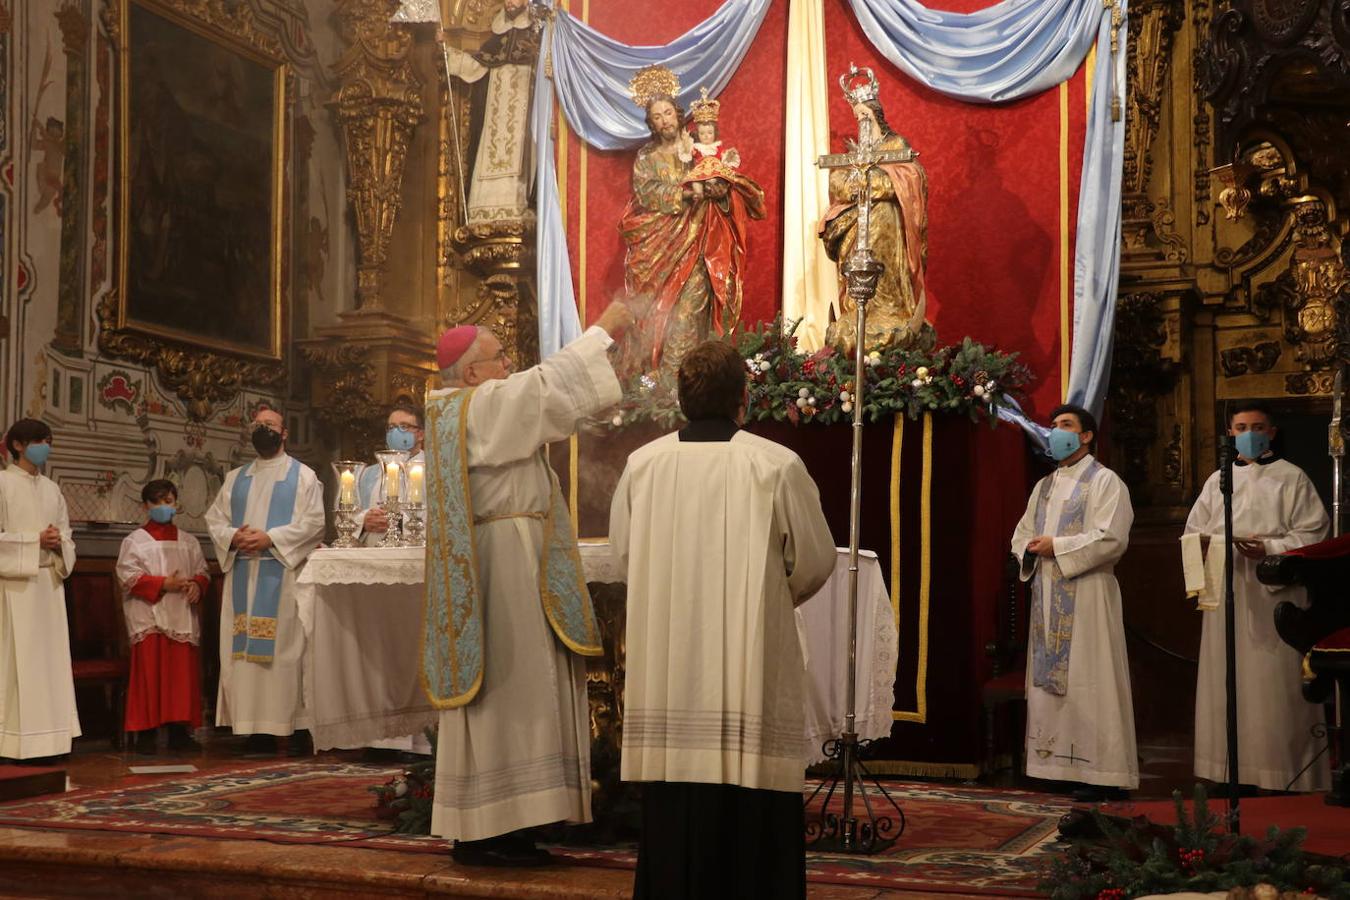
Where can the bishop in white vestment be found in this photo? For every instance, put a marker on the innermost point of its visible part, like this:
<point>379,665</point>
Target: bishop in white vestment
<point>1275,509</point>
<point>508,616</point>
<point>1080,715</point>
<point>264,523</point>
<point>37,691</point>
<point>722,535</point>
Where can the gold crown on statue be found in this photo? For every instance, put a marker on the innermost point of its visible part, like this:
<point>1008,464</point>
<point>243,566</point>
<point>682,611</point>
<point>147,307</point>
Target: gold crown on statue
<point>854,92</point>
<point>703,109</point>
<point>653,82</point>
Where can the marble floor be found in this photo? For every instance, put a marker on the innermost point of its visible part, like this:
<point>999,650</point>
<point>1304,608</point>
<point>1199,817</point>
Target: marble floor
<point>37,863</point>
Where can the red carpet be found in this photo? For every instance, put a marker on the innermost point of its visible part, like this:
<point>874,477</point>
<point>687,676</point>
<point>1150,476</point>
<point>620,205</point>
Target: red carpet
<point>958,839</point>
<point>1328,826</point>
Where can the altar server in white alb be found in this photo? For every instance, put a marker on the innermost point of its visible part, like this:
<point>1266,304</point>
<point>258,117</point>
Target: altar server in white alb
<point>403,431</point>
<point>1275,509</point>
<point>508,618</point>
<point>722,535</point>
<point>265,521</point>
<point>37,692</point>
<point>1080,716</point>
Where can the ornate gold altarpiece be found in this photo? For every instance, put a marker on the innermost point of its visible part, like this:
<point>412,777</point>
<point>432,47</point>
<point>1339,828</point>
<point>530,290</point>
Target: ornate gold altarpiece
<point>421,268</point>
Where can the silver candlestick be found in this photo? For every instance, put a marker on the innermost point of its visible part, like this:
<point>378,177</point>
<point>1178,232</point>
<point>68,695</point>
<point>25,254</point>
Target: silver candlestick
<point>348,475</point>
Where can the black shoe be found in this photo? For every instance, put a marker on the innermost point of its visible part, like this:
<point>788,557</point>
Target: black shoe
<point>300,743</point>
<point>1095,793</point>
<point>259,746</point>
<point>146,742</point>
<point>504,851</point>
<point>180,739</point>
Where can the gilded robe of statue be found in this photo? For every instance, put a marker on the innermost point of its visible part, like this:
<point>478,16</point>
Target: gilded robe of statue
<point>685,256</point>
<point>898,237</point>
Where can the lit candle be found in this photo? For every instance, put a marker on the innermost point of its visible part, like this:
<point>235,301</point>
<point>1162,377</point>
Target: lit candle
<point>415,476</point>
<point>347,489</point>
<point>391,481</point>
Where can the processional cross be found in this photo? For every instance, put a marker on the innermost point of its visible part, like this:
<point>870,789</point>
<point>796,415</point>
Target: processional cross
<point>845,832</point>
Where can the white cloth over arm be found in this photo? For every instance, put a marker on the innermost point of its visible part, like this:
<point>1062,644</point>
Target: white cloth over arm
<point>1277,504</point>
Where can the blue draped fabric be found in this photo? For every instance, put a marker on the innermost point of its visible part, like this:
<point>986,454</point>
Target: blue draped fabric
<point>590,75</point>
<point>1012,50</point>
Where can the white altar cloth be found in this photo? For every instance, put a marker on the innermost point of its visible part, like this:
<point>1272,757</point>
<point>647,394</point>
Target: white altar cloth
<point>362,613</point>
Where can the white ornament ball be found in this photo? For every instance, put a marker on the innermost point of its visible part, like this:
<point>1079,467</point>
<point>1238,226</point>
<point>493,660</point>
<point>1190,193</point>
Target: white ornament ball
<point>845,396</point>
<point>917,382</point>
<point>764,366</point>
<point>617,420</point>
<point>801,403</point>
<point>990,387</point>
<point>846,407</point>
<point>804,393</point>
<point>979,391</point>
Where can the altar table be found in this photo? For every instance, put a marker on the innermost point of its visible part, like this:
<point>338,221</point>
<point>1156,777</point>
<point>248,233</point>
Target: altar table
<point>361,609</point>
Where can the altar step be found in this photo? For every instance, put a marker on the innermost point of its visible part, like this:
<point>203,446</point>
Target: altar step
<point>35,863</point>
<point>19,782</point>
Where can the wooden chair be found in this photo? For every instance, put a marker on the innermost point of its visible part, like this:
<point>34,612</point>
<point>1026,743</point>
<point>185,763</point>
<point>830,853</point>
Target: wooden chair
<point>99,652</point>
<point>1006,686</point>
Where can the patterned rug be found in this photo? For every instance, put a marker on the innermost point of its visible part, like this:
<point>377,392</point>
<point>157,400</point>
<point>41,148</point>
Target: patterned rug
<point>957,839</point>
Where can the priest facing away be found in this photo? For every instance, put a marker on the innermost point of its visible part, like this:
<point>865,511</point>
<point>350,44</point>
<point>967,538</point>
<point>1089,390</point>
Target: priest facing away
<point>1080,715</point>
<point>266,520</point>
<point>722,535</point>
<point>507,615</point>
<point>1275,509</point>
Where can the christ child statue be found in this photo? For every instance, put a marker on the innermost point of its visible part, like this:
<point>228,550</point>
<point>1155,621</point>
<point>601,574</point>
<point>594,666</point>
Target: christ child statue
<point>707,156</point>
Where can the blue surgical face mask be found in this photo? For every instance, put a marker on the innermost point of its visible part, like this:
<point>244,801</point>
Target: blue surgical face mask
<point>1064,444</point>
<point>37,453</point>
<point>1253,444</point>
<point>162,514</point>
<point>398,439</point>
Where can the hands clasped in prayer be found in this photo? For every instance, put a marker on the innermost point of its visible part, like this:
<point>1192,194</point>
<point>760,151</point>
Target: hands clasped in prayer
<point>250,540</point>
<point>50,538</point>
<point>1042,546</point>
<point>177,584</point>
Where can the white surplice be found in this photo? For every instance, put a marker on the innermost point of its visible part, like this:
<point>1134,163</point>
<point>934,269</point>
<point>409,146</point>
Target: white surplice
<point>518,755</point>
<point>255,697</point>
<point>172,616</point>
<point>1277,504</point>
<point>1086,734</point>
<point>37,691</point>
<point>721,539</point>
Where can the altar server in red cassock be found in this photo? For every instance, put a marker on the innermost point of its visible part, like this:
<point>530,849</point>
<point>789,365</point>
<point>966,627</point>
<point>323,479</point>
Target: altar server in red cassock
<point>163,576</point>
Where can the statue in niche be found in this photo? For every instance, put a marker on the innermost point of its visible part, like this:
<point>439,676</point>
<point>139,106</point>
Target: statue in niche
<point>499,182</point>
<point>684,229</point>
<point>898,233</point>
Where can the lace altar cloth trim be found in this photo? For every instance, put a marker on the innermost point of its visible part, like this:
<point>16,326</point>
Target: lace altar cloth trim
<point>365,565</point>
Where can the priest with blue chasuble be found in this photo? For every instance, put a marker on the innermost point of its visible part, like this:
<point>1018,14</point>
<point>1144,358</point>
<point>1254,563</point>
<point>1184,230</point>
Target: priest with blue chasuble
<point>508,617</point>
<point>264,523</point>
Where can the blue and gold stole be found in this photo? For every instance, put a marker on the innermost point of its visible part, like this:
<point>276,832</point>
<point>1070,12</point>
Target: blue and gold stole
<point>452,618</point>
<point>255,632</point>
<point>1050,649</point>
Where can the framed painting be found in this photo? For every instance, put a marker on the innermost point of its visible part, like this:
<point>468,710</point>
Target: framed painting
<point>202,180</point>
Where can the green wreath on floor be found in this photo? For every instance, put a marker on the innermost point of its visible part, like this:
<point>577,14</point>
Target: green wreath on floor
<point>1136,858</point>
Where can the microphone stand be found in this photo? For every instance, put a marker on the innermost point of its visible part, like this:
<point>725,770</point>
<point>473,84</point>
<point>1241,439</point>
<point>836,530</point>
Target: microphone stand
<point>1229,453</point>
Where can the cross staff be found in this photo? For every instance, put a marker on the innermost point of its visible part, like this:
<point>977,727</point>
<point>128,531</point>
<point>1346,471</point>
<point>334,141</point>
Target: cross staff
<point>1336,449</point>
<point>862,157</point>
<point>862,269</point>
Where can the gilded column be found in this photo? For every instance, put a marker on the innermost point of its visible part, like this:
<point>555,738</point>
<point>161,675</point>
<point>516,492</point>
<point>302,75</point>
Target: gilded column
<point>378,105</point>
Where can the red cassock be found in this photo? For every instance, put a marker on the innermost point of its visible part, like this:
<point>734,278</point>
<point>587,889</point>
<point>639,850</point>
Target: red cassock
<point>165,684</point>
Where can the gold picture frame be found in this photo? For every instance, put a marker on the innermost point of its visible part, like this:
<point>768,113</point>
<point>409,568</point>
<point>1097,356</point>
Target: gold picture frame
<point>201,170</point>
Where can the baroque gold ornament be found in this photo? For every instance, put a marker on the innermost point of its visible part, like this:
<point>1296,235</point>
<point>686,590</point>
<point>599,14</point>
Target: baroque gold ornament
<point>652,83</point>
